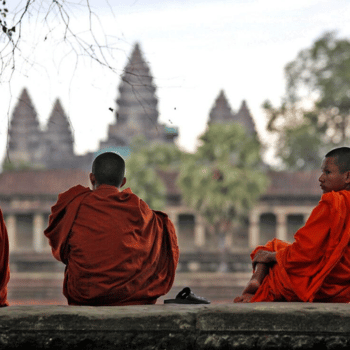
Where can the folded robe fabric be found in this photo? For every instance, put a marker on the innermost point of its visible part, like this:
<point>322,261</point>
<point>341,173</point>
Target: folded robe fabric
<point>4,262</point>
<point>316,266</point>
<point>116,249</point>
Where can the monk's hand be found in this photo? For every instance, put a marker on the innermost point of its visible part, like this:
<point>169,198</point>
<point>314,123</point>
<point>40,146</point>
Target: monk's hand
<point>264,257</point>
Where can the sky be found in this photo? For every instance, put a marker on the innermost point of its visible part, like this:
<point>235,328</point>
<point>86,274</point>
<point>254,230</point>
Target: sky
<point>194,49</point>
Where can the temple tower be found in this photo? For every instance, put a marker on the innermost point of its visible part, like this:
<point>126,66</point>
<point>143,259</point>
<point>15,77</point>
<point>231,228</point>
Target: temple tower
<point>25,146</point>
<point>58,138</point>
<point>222,113</point>
<point>137,107</point>
<point>244,118</point>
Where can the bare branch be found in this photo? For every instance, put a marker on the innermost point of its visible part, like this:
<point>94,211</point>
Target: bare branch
<point>56,13</point>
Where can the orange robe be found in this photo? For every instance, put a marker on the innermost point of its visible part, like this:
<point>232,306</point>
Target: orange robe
<point>316,266</point>
<point>116,249</point>
<point>4,262</point>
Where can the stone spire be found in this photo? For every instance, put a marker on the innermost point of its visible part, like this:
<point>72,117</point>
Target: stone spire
<point>25,137</point>
<point>244,118</point>
<point>137,88</point>
<point>221,111</point>
<point>58,136</point>
<point>137,106</point>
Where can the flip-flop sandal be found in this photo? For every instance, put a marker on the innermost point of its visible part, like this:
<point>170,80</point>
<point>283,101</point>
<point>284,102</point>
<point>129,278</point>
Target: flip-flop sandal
<point>186,296</point>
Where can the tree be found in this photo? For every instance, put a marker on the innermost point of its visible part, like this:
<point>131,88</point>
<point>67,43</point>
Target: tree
<point>314,115</point>
<point>299,143</point>
<point>142,167</point>
<point>222,180</point>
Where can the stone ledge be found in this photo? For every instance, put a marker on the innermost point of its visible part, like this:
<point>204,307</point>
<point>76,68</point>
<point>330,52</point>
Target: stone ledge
<point>226,326</point>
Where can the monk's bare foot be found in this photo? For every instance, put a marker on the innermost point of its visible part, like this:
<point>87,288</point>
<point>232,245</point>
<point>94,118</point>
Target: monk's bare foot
<point>238,299</point>
<point>252,286</point>
<point>244,298</point>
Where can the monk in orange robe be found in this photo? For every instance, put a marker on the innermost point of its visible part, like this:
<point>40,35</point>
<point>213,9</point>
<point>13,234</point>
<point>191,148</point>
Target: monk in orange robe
<point>4,262</point>
<point>117,251</point>
<point>316,266</point>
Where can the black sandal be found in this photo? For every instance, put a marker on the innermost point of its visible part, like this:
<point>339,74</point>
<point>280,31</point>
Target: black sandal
<point>186,296</point>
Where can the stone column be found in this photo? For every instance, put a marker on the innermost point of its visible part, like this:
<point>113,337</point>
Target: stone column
<point>305,217</point>
<point>281,222</point>
<point>11,231</point>
<point>173,216</point>
<point>38,232</point>
<point>199,231</point>
<point>253,230</point>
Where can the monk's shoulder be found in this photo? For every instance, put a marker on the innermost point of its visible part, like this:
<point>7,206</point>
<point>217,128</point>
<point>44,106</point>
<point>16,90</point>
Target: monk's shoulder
<point>131,198</point>
<point>73,192</point>
<point>336,200</point>
<point>127,196</point>
<point>322,209</point>
<point>144,207</point>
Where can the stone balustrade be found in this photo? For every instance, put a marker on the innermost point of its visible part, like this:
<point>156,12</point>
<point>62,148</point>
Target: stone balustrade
<point>225,326</point>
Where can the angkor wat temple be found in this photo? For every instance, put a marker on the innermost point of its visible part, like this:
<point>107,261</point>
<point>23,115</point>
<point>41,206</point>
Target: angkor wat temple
<point>40,162</point>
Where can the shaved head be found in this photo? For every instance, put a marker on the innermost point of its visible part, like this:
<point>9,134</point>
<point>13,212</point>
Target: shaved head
<point>341,156</point>
<point>109,169</point>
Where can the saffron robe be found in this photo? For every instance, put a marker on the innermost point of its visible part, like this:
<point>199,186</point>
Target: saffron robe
<point>116,249</point>
<point>4,262</point>
<point>316,266</point>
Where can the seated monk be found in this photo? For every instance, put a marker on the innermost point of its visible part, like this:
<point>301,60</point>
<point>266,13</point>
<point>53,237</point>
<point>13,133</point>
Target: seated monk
<point>117,251</point>
<point>4,262</point>
<point>316,266</point>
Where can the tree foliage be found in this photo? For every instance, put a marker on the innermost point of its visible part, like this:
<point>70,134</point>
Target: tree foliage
<point>143,166</point>
<point>315,112</point>
<point>222,180</point>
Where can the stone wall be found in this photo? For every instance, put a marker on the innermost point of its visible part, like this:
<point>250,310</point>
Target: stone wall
<point>226,326</point>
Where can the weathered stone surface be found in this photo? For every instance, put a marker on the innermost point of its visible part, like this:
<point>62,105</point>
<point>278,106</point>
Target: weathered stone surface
<point>280,317</point>
<point>177,327</point>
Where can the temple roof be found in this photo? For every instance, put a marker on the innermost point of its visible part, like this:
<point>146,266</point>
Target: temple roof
<point>282,183</point>
<point>41,182</point>
<point>294,184</point>
<point>52,182</point>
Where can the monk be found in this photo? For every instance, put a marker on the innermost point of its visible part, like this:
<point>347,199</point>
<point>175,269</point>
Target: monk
<point>4,262</point>
<point>316,266</point>
<point>117,251</point>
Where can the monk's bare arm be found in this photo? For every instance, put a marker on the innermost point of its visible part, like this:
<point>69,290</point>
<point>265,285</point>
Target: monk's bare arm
<point>262,261</point>
<point>264,257</point>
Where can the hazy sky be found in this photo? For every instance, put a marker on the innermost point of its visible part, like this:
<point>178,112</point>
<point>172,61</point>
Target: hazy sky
<point>194,49</point>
